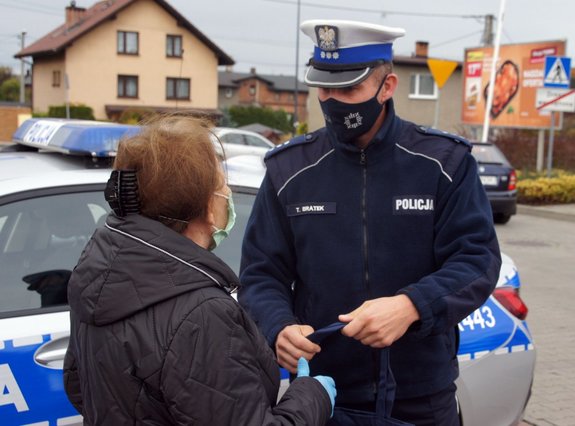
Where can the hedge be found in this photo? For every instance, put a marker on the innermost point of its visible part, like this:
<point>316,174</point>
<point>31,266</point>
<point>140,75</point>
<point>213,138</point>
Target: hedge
<point>559,189</point>
<point>81,112</point>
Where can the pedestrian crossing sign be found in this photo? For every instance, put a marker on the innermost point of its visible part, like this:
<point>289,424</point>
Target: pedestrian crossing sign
<point>557,72</point>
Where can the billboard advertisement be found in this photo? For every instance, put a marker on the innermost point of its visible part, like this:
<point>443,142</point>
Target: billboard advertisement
<point>519,73</point>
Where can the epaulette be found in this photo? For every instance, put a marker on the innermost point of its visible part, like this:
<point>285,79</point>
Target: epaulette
<point>298,140</point>
<point>436,132</point>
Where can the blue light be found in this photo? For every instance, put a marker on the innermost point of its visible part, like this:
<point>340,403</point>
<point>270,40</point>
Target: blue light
<point>77,137</point>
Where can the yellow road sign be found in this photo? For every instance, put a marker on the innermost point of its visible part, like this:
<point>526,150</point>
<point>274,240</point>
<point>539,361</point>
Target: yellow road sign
<point>441,70</point>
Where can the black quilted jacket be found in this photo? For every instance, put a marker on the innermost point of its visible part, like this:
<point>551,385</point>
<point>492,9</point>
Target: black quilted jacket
<point>157,340</point>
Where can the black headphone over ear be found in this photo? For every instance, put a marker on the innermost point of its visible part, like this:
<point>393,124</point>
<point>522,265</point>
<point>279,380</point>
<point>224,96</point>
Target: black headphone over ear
<point>121,192</point>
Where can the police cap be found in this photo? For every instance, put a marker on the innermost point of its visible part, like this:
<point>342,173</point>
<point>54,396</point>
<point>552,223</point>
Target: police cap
<point>346,52</point>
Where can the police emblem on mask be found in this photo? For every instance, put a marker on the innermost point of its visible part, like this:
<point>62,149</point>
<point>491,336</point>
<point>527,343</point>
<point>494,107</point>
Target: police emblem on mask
<point>353,120</point>
<point>327,37</point>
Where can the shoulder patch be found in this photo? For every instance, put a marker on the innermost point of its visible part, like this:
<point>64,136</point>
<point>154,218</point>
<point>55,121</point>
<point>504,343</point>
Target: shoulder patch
<point>436,132</point>
<point>298,140</point>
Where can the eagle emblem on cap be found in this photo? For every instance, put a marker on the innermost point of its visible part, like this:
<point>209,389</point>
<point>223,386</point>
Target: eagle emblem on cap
<point>326,37</point>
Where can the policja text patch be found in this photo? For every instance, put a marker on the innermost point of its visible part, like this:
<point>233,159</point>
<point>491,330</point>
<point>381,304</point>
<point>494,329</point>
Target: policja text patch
<point>413,204</point>
<point>311,208</point>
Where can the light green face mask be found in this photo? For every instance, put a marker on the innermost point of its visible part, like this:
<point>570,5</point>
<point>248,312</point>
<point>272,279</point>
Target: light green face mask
<point>220,234</point>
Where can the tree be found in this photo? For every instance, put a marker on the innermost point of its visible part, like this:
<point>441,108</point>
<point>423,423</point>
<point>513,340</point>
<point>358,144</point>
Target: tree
<point>276,119</point>
<point>5,74</point>
<point>10,90</point>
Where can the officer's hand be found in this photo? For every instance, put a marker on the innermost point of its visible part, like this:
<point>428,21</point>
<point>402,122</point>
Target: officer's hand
<point>291,345</point>
<point>326,381</point>
<point>380,322</point>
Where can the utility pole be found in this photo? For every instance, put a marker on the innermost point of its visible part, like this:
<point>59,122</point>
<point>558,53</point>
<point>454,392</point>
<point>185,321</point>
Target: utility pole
<point>487,37</point>
<point>295,113</point>
<point>22,76</point>
<point>67,94</point>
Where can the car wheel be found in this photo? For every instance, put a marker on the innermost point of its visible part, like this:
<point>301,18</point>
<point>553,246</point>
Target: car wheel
<point>501,218</point>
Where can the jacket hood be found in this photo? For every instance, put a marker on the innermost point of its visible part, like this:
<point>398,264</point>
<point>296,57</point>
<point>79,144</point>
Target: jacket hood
<point>136,262</point>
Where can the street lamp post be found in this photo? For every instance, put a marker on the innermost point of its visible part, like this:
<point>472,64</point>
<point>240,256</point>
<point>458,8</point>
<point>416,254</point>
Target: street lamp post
<point>486,122</point>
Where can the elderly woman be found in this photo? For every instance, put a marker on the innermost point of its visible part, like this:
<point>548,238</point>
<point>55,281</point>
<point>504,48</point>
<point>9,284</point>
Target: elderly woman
<point>156,337</point>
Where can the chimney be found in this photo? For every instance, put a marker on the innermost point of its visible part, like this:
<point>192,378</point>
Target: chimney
<point>253,70</point>
<point>421,49</point>
<point>74,14</point>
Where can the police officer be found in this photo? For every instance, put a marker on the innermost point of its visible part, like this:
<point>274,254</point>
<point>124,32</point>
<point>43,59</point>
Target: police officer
<point>375,222</point>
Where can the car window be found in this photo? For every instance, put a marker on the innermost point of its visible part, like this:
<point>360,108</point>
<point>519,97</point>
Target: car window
<point>230,249</point>
<point>255,141</point>
<point>233,138</point>
<point>488,154</point>
<point>40,242</point>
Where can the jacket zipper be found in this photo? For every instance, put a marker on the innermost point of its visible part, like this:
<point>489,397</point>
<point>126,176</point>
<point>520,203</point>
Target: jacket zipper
<point>365,261</point>
<point>364,219</point>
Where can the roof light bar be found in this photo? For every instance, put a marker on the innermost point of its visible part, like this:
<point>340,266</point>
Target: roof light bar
<point>75,137</point>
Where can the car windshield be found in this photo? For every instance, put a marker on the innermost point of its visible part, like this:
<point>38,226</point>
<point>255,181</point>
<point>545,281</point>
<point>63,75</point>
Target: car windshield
<point>488,154</point>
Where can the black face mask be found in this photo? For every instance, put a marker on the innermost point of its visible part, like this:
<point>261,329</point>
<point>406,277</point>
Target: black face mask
<point>349,121</point>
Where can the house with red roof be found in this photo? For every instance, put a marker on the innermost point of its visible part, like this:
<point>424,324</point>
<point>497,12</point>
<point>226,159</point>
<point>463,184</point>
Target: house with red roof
<point>122,55</point>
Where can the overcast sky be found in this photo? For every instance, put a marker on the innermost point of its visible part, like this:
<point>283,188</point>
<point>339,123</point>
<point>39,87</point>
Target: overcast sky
<point>262,33</point>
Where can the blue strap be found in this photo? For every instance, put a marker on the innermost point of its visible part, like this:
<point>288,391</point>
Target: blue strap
<point>322,333</point>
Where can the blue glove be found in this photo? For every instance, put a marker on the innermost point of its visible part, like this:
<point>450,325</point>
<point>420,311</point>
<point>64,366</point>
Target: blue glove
<point>326,381</point>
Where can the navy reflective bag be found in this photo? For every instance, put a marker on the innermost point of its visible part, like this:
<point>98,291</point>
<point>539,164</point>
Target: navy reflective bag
<point>386,392</point>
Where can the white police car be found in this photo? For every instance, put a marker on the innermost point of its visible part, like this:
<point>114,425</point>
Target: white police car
<point>50,203</point>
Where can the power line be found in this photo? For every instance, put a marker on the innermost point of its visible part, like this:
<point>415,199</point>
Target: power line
<point>283,65</point>
<point>254,41</point>
<point>381,11</point>
<point>28,9</point>
<point>41,6</point>
<point>507,35</point>
<point>455,39</point>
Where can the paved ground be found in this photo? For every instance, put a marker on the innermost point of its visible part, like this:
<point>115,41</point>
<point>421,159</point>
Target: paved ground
<point>544,239</point>
<point>564,212</point>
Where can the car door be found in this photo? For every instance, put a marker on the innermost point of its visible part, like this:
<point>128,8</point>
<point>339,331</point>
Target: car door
<point>42,234</point>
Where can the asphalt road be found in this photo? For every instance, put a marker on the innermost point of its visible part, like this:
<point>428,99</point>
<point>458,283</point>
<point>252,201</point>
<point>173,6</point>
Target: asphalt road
<point>543,249</point>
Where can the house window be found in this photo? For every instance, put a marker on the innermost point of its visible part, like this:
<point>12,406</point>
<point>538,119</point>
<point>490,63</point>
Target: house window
<point>422,86</point>
<point>128,43</point>
<point>127,86</point>
<point>229,93</point>
<point>56,78</point>
<point>174,46</point>
<point>178,88</point>
<point>252,90</point>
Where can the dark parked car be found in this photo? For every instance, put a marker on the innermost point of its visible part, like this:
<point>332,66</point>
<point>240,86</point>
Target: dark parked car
<point>498,178</point>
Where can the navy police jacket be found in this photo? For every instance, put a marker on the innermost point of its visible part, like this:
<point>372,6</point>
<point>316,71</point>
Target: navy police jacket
<point>333,226</point>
